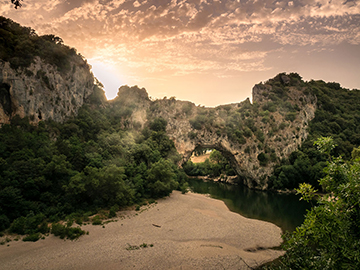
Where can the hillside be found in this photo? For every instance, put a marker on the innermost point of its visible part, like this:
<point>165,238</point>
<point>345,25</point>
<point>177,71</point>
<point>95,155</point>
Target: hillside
<point>65,150</point>
<point>40,77</point>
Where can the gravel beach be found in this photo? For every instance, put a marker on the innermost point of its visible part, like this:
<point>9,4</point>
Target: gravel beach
<point>186,231</point>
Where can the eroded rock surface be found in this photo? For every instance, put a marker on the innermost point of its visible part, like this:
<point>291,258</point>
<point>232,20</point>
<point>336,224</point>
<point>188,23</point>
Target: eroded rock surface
<point>253,137</point>
<point>41,92</point>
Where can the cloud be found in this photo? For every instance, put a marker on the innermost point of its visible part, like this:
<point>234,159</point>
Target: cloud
<point>192,36</point>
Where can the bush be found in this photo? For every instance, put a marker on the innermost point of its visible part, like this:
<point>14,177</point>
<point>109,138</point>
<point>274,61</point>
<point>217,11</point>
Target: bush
<point>58,230</point>
<point>32,237</point>
<point>263,159</point>
<point>96,220</point>
<point>291,116</point>
<point>192,135</point>
<point>113,210</point>
<point>69,232</point>
<point>184,188</point>
<point>4,222</point>
<point>158,124</point>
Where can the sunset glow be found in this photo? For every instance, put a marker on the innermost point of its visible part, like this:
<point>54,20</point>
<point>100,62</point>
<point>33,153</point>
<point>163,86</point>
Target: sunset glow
<point>108,76</point>
<point>210,52</point>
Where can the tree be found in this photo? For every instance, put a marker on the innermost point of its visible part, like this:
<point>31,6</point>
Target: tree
<point>330,235</point>
<point>16,3</point>
<point>161,177</point>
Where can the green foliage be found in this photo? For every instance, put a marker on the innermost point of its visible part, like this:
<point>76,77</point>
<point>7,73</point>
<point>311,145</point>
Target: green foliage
<point>307,192</point>
<point>187,108</point>
<point>336,119</point>
<point>113,210</point>
<point>355,153</point>
<point>63,231</point>
<point>32,237</point>
<point>192,135</point>
<point>29,225</point>
<point>161,177</point>
<point>198,122</point>
<point>325,145</point>
<point>215,166</point>
<point>158,124</point>
<point>291,116</point>
<point>91,165</point>
<point>329,237</point>
<point>263,159</point>
<point>20,45</point>
<point>96,220</point>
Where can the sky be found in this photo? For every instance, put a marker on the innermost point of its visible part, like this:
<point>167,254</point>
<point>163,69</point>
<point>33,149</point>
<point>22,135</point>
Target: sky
<point>210,52</point>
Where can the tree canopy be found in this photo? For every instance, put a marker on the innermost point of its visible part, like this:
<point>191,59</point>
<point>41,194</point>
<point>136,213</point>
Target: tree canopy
<point>329,237</point>
<point>17,3</point>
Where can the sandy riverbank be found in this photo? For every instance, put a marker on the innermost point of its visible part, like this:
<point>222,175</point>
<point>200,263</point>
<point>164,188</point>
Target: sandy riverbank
<point>196,232</point>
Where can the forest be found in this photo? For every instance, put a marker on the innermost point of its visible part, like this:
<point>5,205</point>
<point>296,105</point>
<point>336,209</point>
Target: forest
<point>59,171</point>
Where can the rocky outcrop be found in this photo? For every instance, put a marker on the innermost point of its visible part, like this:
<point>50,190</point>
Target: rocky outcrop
<point>253,137</point>
<point>41,92</point>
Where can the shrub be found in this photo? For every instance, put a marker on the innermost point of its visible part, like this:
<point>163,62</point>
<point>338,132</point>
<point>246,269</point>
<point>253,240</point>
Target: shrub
<point>184,188</point>
<point>291,116</point>
<point>96,220</point>
<point>187,108</point>
<point>113,210</point>
<point>263,159</point>
<point>282,126</point>
<point>69,232</point>
<point>58,230</point>
<point>192,135</point>
<point>74,233</point>
<point>32,237</point>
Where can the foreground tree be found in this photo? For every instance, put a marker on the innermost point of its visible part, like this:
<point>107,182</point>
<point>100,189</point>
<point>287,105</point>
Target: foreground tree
<point>329,238</point>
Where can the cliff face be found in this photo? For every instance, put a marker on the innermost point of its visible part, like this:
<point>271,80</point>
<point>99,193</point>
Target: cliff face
<point>253,137</point>
<point>42,92</point>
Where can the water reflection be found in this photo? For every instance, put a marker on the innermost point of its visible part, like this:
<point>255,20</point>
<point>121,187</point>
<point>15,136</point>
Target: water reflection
<point>284,210</point>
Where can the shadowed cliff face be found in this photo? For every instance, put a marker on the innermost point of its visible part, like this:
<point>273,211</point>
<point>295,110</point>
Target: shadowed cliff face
<point>253,137</point>
<point>5,99</point>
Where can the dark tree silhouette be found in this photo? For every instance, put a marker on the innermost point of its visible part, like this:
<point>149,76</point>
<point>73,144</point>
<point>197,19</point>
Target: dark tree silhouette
<point>16,3</point>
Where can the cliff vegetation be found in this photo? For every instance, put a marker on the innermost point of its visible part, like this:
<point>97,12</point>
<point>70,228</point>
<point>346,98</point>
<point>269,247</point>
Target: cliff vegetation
<point>66,152</point>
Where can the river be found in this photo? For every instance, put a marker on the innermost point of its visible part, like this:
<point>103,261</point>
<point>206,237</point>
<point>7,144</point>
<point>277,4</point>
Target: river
<point>284,210</point>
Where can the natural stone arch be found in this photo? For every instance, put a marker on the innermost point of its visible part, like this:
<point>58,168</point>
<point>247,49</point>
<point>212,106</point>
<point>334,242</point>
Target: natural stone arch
<point>228,155</point>
<point>228,150</point>
<point>252,136</point>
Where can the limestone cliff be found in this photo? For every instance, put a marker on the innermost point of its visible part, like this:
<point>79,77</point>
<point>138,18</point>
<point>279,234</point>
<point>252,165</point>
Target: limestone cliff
<point>40,77</point>
<point>42,92</point>
<point>253,137</point>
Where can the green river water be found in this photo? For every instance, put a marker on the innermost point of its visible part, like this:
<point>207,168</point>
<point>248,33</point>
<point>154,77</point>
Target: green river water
<point>284,210</point>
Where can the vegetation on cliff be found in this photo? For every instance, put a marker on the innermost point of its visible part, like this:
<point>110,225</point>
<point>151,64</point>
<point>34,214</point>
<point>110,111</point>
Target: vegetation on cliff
<point>52,170</point>
<point>20,45</point>
<point>337,115</point>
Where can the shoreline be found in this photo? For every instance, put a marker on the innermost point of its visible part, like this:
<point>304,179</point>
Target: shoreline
<point>183,231</point>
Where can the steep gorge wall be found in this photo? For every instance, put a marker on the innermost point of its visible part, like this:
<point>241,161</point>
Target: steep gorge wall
<point>42,92</point>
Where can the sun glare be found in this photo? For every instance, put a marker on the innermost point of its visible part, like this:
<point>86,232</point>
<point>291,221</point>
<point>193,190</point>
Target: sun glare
<point>108,77</point>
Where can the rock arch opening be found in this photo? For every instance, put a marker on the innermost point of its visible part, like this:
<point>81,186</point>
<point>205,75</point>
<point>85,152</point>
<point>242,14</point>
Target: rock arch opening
<point>212,161</point>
